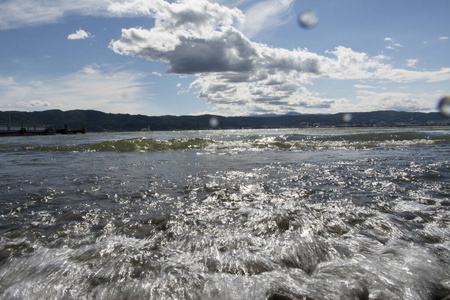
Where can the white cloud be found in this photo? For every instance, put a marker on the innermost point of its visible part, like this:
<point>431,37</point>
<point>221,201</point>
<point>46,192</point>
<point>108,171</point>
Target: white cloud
<point>363,86</point>
<point>198,15</point>
<point>33,103</point>
<point>265,14</point>
<point>211,41</point>
<point>443,38</point>
<point>350,64</point>
<point>15,14</point>
<point>412,62</point>
<point>402,75</point>
<point>93,87</point>
<point>241,76</point>
<point>79,35</point>
<point>372,101</point>
<point>5,81</point>
<point>392,44</point>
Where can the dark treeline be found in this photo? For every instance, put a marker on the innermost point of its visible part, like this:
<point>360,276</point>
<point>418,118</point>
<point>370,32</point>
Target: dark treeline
<point>96,121</point>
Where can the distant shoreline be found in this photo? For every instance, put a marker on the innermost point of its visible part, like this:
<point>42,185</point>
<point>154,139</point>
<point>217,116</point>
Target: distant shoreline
<point>96,121</point>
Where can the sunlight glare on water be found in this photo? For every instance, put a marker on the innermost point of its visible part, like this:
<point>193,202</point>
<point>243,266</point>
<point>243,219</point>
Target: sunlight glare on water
<point>314,213</point>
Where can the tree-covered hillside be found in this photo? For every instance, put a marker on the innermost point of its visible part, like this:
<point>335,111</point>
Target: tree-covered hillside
<point>96,121</point>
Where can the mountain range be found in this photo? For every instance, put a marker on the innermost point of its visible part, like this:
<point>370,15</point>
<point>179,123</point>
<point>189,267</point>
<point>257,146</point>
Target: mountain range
<point>97,121</point>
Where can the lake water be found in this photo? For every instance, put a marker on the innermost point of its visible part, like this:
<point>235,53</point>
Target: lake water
<point>338,213</point>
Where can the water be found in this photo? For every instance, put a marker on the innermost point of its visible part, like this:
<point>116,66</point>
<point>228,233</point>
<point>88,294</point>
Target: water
<point>308,19</point>
<point>240,214</point>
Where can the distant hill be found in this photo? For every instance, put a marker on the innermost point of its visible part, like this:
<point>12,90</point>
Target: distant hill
<point>96,121</point>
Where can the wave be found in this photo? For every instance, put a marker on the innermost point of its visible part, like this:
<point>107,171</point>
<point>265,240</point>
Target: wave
<point>257,143</point>
<point>128,145</point>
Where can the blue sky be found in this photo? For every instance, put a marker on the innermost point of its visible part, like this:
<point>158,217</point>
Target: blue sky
<point>228,57</point>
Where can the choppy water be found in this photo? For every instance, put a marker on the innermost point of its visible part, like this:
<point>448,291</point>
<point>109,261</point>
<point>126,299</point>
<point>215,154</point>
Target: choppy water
<point>244,214</point>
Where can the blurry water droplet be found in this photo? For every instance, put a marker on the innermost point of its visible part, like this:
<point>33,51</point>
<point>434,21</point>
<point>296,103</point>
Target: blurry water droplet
<point>214,122</point>
<point>444,106</point>
<point>308,18</point>
<point>347,117</point>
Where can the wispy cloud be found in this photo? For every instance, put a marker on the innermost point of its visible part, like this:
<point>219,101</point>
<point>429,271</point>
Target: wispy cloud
<point>412,62</point>
<point>392,44</point>
<point>92,87</point>
<point>16,14</point>
<point>443,38</point>
<point>363,86</point>
<point>265,14</point>
<point>33,103</point>
<point>79,35</point>
<point>401,101</point>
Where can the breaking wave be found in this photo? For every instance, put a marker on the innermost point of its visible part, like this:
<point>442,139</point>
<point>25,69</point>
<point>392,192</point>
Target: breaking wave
<point>256,142</point>
<point>90,217</point>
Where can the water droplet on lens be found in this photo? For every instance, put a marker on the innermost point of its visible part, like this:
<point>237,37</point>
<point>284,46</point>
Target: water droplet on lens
<point>308,19</point>
<point>214,122</point>
<point>347,117</point>
<point>444,106</point>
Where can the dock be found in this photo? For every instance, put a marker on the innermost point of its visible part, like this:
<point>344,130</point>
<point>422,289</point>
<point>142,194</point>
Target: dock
<point>25,130</point>
<point>36,129</point>
<point>67,130</point>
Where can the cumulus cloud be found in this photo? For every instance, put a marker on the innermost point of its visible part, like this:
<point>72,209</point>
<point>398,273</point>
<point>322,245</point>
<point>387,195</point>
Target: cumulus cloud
<point>235,73</point>
<point>206,45</point>
<point>79,35</point>
<point>211,41</point>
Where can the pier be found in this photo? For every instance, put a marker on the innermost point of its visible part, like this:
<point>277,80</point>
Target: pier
<point>36,129</point>
<point>25,130</point>
<point>67,130</point>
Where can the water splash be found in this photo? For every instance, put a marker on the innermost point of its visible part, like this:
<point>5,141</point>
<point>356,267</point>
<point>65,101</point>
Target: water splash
<point>444,106</point>
<point>308,19</point>
<point>347,118</point>
<point>214,122</point>
<point>347,140</point>
<point>276,224</point>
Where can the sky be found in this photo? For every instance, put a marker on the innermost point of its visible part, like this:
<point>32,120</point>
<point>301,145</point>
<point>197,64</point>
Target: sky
<point>224,57</point>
